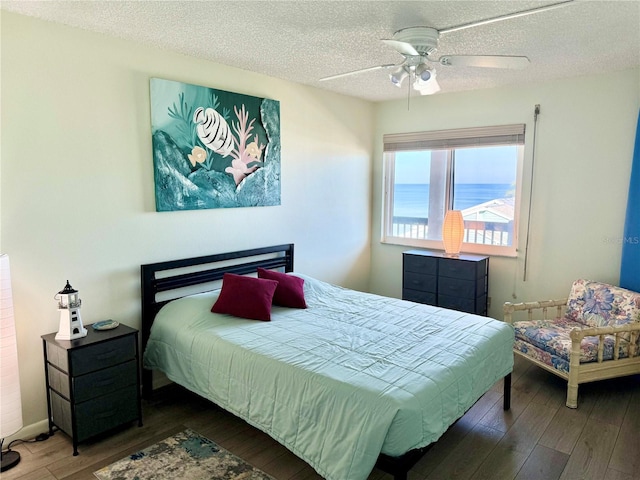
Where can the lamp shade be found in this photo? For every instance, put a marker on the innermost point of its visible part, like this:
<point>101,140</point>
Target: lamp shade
<point>398,76</point>
<point>453,232</point>
<point>10,401</point>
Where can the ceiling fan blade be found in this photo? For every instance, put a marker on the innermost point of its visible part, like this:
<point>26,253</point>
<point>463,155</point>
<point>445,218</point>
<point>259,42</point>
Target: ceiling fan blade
<point>506,17</point>
<point>429,88</point>
<point>355,72</point>
<point>485,61</point>
<point>401,47</point>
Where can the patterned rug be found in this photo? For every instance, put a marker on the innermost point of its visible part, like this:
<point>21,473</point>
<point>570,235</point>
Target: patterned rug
<point>185,455</point>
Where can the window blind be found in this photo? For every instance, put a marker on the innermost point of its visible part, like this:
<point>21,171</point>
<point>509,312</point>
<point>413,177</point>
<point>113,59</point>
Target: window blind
<point>455,138</point>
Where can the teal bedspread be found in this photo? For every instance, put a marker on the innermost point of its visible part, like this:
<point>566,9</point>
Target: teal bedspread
<point>351,376</point>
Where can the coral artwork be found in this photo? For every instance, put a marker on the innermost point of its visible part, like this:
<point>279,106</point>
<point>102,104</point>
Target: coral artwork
<point>245,157</point>
<point>212,148</point>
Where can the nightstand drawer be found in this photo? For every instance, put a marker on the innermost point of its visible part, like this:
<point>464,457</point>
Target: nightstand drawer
<point>428,298</point>
<point>420,263</point>
<point>459,269</point>
<point>103,355</point>
<point>107,412</point>
<point>98,415</point>
<point>419,281</point>
<point>460,288</point>
<point>101,382</point>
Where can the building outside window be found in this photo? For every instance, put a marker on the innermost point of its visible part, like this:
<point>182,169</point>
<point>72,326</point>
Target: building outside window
<point>475,170</point>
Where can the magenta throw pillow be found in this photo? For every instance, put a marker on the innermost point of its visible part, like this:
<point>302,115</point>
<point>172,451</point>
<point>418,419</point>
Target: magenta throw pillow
<point>290,291</point>
<point>245,297</point>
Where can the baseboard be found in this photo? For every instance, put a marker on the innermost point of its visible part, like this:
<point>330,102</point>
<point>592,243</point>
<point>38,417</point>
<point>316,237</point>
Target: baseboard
<point>28,432</point>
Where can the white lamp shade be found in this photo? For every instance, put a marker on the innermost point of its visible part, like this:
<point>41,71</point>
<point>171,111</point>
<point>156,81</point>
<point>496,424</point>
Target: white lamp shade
<point>453,232</point>
<point>10,401</point>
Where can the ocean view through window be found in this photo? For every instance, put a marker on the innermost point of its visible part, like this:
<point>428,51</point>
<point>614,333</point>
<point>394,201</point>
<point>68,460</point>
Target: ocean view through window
<point>480,178</point>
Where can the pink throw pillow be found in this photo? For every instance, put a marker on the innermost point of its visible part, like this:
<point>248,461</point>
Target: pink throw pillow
<point>290,291</point>
<point>245,297</point>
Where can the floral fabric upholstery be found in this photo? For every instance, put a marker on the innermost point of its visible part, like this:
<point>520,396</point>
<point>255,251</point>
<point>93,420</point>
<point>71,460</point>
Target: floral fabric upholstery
<point>590,304</point>
<point>543,356</point>
<point>552,343</point>
<point>598,304</point>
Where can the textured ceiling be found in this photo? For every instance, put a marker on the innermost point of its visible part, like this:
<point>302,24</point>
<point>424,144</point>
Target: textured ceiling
<point>303,41</point>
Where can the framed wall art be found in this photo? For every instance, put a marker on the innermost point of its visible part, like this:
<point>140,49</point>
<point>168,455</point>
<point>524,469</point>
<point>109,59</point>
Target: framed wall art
<point>213,148</point>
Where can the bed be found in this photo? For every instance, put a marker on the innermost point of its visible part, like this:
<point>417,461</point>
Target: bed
<point>351,382</point>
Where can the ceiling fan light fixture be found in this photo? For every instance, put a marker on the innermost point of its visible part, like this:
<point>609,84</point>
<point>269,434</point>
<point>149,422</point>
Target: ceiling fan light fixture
<point>429,87</point>
<point>423,73</point>
<point>398,76</point>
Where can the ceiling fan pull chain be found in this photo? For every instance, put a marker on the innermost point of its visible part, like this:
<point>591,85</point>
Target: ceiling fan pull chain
<point>409,88</point>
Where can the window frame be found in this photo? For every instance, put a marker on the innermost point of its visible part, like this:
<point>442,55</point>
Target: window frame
<point>450,140</point>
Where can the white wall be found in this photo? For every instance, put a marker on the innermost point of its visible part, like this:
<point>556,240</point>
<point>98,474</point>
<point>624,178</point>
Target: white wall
<point>77,180</point>
<point>584,147</point>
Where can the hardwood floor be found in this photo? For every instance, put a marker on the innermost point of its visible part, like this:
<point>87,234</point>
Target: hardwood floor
<point>538,439</point>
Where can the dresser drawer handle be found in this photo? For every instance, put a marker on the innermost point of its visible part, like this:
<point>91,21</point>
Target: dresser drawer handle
<point>104,383</point>
<point>106,355</point>
<point>105,414</point>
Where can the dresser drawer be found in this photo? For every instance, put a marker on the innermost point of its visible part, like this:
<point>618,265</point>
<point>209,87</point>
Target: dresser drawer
<point>420,297</point>
<point>102,382</point>
<point>97,415</point>
<point>420,264</point>
<point>460,288</point>
<point>418,281</point>
<point>477,305</point>
<point>460,269</point>
<point>94,384</point>
<point>457,303</point>
<point>103,355</point>
<point>106,412</point>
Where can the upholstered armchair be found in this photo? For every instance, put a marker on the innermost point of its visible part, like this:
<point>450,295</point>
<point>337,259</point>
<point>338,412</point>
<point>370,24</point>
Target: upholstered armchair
<point>594,334</point>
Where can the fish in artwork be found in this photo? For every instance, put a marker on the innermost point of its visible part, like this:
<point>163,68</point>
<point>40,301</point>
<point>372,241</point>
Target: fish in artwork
<point>213,130</point>
<point>197,155</point>
<point>254,150</point>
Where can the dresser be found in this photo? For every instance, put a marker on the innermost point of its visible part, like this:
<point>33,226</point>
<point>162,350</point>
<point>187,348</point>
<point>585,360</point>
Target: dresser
<point>459,283</point>
<point>92,382</point>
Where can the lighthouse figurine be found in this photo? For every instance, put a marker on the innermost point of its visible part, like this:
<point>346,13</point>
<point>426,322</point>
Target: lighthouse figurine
<point>70,320</point>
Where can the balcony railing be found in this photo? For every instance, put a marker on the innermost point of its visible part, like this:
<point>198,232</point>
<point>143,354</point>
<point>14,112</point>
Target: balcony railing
<point>484,233</point>
<point>410,227</point>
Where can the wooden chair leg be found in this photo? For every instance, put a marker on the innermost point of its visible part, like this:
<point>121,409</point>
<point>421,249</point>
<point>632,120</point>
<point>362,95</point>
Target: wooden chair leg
<point>572,395</point>
<point>574,367</point>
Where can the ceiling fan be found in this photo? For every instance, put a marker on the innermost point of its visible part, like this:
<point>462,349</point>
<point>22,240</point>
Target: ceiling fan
<point>418,45</point>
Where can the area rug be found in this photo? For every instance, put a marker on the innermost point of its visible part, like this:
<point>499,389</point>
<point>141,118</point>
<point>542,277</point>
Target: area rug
<point>185,455</point>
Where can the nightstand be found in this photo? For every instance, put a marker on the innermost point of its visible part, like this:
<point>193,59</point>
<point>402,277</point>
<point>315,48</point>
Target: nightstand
<point>93,383</point>
<point>459,283</point>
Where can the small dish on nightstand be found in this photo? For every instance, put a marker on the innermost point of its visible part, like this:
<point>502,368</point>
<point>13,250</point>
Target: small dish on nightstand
<point>105,325</point>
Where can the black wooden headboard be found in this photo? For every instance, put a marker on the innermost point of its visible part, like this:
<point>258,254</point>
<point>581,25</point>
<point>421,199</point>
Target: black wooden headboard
<point>170,276</point>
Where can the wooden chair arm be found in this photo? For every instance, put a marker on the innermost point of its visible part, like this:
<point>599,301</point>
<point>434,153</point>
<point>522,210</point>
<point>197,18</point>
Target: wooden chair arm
<point>530,307</point>
<point>633,329</point>
<point>580,333</point>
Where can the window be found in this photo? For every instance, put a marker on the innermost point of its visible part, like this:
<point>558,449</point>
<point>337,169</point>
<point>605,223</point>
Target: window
<point>475,170</point>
